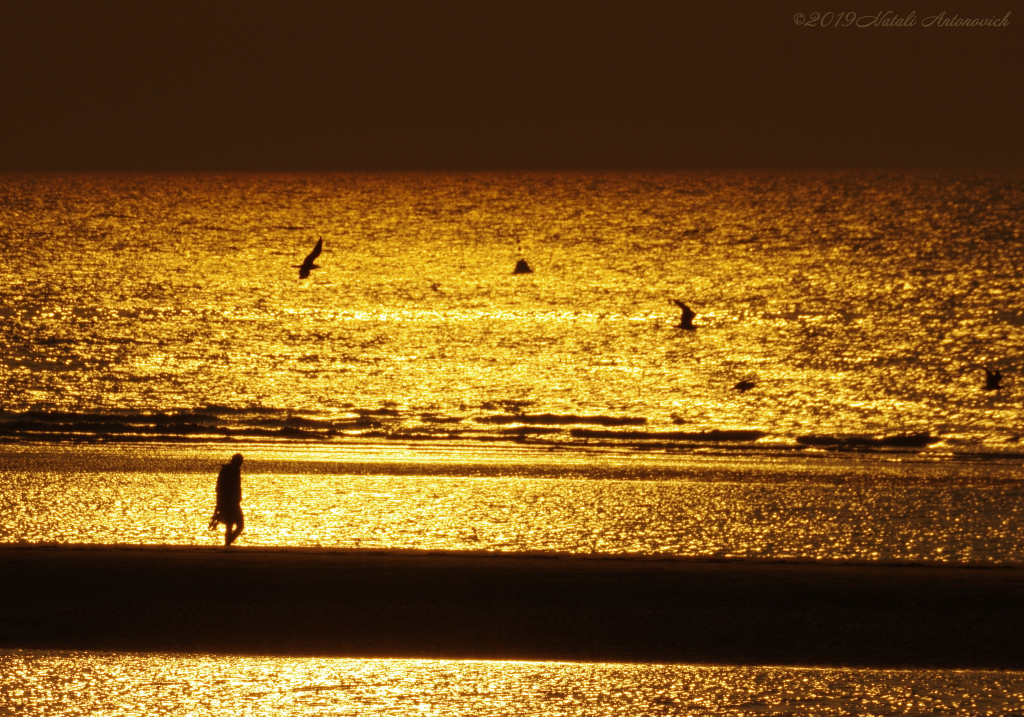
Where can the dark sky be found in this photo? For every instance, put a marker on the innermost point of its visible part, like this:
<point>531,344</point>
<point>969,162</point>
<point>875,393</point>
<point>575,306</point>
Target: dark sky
<point>495,84</point>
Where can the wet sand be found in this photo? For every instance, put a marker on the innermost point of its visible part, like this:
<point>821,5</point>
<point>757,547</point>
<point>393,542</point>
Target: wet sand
<point>309,602</point>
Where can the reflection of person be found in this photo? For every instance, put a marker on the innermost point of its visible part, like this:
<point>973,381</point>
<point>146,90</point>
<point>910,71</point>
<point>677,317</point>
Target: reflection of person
<point>229,500</point>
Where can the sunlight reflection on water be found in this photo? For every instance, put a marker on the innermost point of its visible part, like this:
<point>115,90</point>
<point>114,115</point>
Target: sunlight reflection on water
<point>859,302</point>
<point>522,501</point>
<point>70,683</point>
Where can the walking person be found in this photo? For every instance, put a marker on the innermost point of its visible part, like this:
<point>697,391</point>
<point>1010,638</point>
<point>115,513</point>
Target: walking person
<point>229,500</point>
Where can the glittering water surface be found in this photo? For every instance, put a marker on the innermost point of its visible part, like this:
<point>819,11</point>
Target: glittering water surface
<point>414,393</point>
<point>51,683</point>
<point>858,303</point>
<point>166,309</point>
<point>518,501</point>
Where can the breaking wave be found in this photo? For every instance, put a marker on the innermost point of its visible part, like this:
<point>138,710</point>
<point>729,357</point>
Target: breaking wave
<point>360,425</point>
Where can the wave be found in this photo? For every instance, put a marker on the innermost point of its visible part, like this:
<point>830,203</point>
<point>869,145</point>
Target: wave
<point>213,422</point>
<point>203,423</point>
<point>714,435</point>
<point>900,440</point>
<point>563,420</point>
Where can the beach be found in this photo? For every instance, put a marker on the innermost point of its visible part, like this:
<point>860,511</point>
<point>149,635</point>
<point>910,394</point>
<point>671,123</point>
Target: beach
<point>349,603</point>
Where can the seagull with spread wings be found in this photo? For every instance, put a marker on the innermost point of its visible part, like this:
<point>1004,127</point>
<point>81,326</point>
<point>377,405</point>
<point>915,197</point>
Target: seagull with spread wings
<point>307,265</point>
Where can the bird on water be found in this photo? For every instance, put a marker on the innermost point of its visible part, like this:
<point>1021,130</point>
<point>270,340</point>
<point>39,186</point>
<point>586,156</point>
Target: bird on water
<point>686,320</point>
<point>744,385</point>
<point>992,379</point>
<point>307,265</point>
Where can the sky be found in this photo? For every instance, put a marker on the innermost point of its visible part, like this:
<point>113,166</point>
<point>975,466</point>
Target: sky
<point>318,85</point>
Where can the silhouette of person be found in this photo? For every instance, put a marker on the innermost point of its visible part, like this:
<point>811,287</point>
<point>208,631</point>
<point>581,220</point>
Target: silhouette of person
<point>229,500</point>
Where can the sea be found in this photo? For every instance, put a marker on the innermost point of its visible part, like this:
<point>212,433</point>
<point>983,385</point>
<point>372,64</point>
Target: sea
<point>851,391</point>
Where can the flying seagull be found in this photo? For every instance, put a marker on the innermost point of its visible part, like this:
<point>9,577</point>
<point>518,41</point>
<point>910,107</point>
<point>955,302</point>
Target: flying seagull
<point>992,379</point>
<point>686,320</point>
<point>307,265</point>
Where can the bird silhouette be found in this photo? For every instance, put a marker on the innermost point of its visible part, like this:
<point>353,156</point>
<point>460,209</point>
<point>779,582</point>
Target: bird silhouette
<point>307,265</point>
<point>744,386</point>
<point>686,320</point>
<point>992,379</point>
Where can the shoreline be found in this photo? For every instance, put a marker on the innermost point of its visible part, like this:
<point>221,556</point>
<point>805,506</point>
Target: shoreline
<point>396,552</point>
<point>844,447</point>
<point>436,604</point>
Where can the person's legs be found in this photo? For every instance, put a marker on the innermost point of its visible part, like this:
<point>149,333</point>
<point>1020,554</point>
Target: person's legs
<point>234,529</point>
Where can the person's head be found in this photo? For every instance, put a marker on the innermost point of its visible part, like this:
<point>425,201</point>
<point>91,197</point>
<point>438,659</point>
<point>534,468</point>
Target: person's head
<point>236,460</point>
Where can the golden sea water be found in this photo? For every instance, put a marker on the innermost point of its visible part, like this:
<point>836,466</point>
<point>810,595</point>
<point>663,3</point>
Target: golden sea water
<point>522,500</point>
<point>50,683</point>
<point>858,303</point>
<point>413,393</point>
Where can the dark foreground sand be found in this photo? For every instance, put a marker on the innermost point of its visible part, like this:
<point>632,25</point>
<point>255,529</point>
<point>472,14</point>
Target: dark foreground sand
<point>343,603</point>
